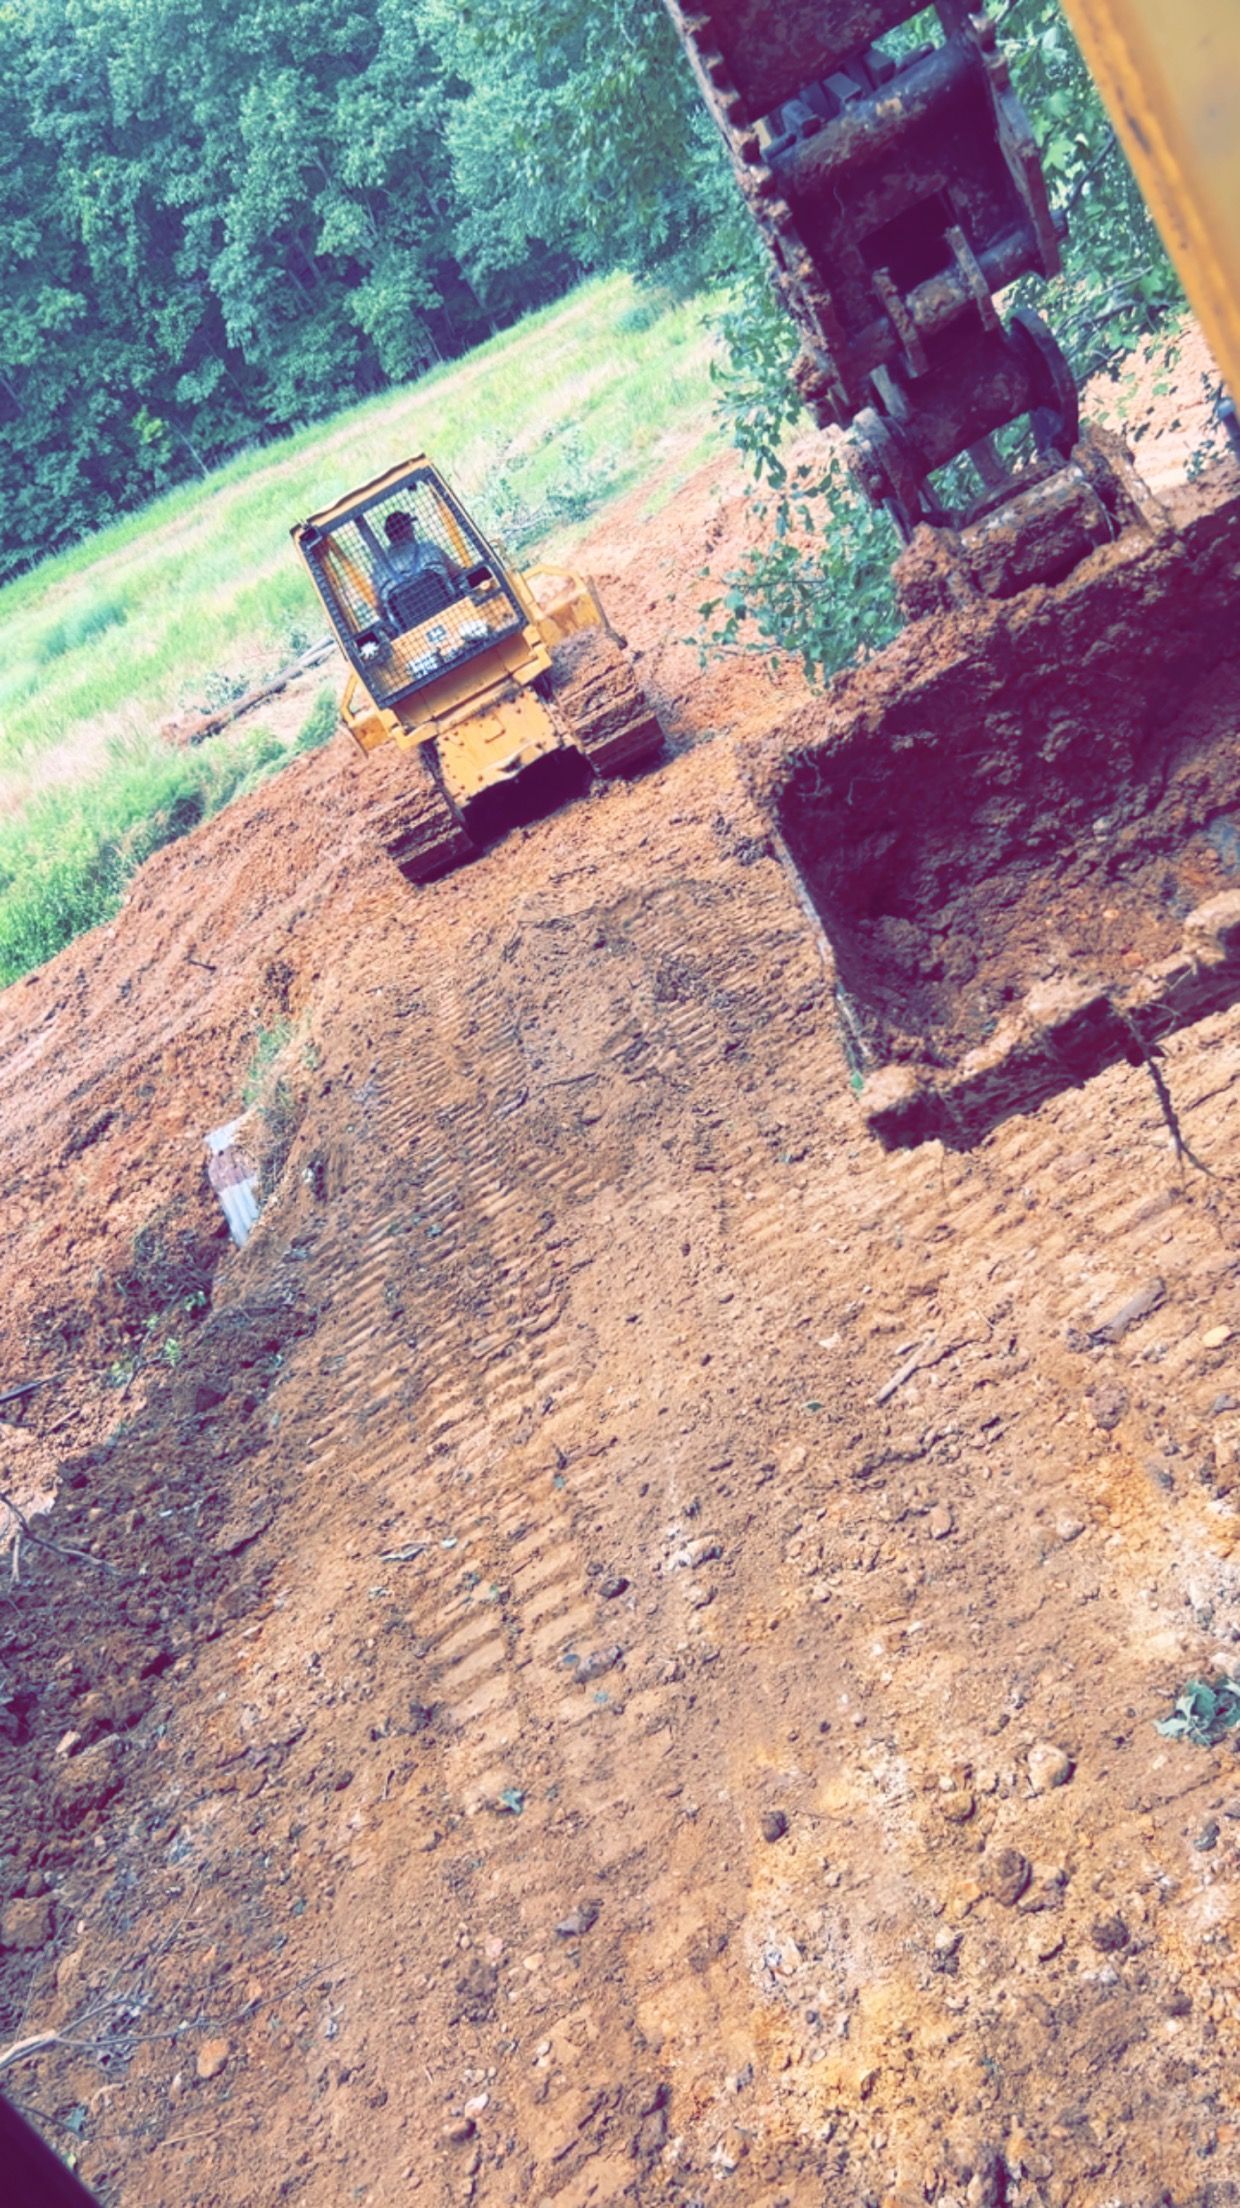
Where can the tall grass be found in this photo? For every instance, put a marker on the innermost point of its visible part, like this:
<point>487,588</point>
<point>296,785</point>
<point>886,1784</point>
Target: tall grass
<point>198,595</point>
<point>67,855</point>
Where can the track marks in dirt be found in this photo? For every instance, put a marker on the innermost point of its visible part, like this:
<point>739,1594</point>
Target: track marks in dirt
<point>608,1270</point>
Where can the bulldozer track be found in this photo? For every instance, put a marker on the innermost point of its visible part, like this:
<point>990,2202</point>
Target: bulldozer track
<point>601,703</point>
<point>420,831</point>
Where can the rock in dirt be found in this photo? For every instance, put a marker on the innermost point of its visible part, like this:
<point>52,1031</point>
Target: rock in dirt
<point>212,2058</point>
<point>1045,1940</point>
<point>26,1923</point>
<point>1109,1934</point>
<point>707,1549</point>
<point>957,1805</point>
<point>614,1584</point>
<point>1005,1875</point>
<point>85,1782</point>
<point>1108,1405</point>
<point>579,1920</point>
<point>774,1824</point>
<point>459,2131</point>
<point>1130,1312</point>
<point>1048,1766</point>
<point>941,1522</point>
<point>1215,1336</point>
<point>478,1989</point>
<point>987,2185</point>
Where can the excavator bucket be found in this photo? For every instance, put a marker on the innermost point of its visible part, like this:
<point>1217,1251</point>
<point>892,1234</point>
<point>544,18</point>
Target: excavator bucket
<point>1020,829</point>
<point>1021,832</point>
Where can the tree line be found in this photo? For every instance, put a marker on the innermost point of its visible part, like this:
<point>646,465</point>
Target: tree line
<point>221,219</point>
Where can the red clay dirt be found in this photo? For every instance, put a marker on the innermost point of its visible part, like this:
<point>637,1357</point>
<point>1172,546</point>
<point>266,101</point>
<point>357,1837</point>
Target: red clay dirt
<point>621,1652</point>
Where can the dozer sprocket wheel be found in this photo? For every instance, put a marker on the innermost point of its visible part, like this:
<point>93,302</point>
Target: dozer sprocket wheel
<point>601,702</point>
<point>421,832</point>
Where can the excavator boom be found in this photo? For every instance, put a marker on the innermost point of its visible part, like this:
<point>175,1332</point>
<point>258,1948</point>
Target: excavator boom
<point>898,186</point>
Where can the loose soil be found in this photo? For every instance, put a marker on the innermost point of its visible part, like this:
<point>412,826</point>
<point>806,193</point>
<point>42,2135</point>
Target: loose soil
<point>562,1688</point>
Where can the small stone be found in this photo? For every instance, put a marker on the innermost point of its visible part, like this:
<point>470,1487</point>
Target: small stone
<point>1048,1766</point>
<point>89,1780</point>
<point>947,1940</point>
<point>1130,1313</point>
<point>705,1550</point>
<point>730,2150</point>
<point>94,1715</point>
<point>1109,1934</point>
<point>986,2187</point>
<point>1045,1940</point>
<point>614,1584</point>
<point>212,2058</point>
<point>1215,1337</point>
<point>957,1806</point>
<point>1069,1529</point>
<point>459,2130</point>
<point>699,1596</point>
<point>1207,1838</point>
<point>1108,1405</point>
<point>941,1522</point>
<point>579,1920</point>
<point>26,1923</point>
<point>1006,1873</point>
<point>774,1824</point>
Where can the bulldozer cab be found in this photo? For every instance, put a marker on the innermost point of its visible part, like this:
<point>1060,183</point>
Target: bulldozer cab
<point>411,587</point>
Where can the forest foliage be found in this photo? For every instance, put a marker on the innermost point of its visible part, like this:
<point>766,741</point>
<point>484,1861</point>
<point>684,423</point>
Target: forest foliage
<point>220,219</point>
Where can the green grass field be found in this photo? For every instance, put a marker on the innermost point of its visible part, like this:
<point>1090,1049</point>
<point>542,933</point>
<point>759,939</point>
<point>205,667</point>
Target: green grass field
<point>195,598</point>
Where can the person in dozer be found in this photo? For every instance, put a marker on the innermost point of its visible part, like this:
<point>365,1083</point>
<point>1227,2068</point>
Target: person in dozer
<point>420,579</point>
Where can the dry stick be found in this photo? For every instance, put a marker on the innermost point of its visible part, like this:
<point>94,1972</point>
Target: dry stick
<point>186,2138</point>
<point>41,1541</point>
<point>23,2050</point>
<point>27,1387</point>
<point>1163,1093</point>
<point>1148,1059</point>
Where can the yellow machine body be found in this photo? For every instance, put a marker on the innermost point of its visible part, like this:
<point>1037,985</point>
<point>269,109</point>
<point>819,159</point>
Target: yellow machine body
<point>481,711</point>
<point>1170,76</point>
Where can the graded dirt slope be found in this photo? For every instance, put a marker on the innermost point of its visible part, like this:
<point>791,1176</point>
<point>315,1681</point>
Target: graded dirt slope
<point>621,1663</point>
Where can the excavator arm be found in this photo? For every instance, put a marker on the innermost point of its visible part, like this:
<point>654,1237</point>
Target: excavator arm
<point>897,183</point>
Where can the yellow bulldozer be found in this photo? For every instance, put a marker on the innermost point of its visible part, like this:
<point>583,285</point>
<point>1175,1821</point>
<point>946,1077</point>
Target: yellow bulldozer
<point>510,689</point>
